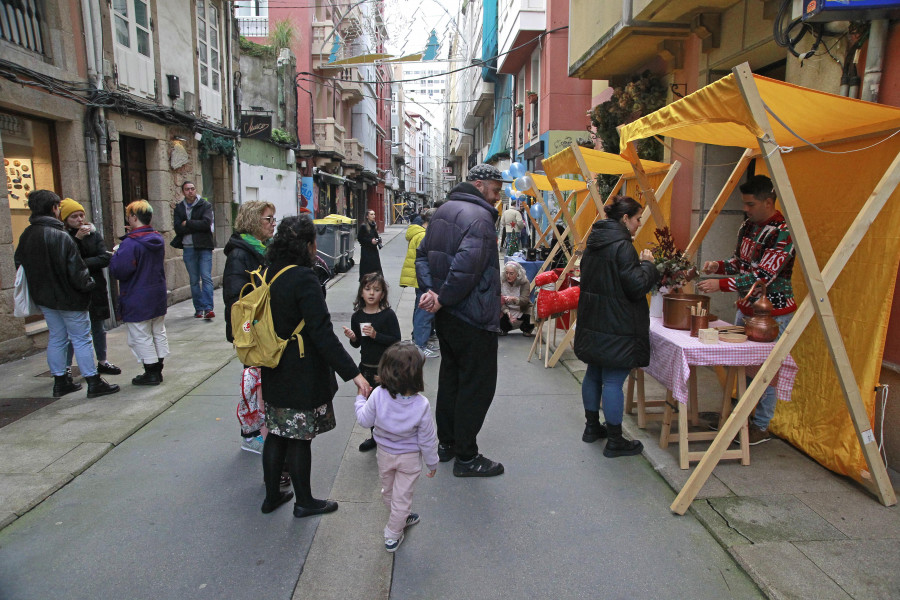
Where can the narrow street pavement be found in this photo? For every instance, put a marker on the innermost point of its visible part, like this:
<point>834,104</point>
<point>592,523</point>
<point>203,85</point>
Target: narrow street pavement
<point>171,508</point>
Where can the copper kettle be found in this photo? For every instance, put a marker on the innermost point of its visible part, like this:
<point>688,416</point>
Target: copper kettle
<point>762,326</point>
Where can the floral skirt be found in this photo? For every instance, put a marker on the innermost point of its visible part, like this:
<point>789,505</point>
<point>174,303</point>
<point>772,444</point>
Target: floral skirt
<point>300,424</point>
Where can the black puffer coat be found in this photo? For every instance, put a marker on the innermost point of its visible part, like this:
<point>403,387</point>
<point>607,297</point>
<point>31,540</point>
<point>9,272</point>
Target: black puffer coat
<point>93,251</point>
<point>613,316</point>
<point>240,260</point>
<point>304,383</point>
<point>458,258</point>
<point>369,260</point>
<point>56,273</point>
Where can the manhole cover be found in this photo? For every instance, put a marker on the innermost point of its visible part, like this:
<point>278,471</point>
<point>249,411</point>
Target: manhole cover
<point>13,409</point>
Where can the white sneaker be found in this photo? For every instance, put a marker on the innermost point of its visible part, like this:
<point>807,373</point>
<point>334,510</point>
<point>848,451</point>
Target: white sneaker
<point>254,444</point>
<point>392,545</point>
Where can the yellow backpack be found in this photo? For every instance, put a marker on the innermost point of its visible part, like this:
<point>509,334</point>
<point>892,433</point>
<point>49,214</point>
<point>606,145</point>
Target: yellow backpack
<point>255,339</point>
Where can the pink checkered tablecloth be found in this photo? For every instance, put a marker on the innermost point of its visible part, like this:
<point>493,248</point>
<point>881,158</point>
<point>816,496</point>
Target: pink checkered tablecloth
<point>673,352</point>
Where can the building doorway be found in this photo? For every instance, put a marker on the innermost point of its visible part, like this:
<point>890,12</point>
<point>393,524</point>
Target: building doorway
<point>133,154</point>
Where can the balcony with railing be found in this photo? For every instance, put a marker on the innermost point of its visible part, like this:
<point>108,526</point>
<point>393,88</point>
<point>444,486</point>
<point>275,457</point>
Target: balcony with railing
<point>21,23</point>
<point>253,27</point>
<point>353,153</point>
<point>322,39</point>
<point>329,136</point>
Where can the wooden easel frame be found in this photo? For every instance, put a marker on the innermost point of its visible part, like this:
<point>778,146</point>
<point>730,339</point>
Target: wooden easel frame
<point>818,282</point>
<point>594,193</point>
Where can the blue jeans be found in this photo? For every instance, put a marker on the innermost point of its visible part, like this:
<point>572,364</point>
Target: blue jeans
<point>765,410</point>
<point>198,262</point>
<point>98,334</point>
<point>605,383</point>
<point>422,323</point>
<point>65,325</point>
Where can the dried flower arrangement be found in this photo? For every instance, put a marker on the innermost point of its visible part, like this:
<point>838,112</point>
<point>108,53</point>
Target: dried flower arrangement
<point>674,267</point>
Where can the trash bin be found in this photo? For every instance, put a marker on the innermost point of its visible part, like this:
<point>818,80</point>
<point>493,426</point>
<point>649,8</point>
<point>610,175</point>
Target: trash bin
<point>333,235</point>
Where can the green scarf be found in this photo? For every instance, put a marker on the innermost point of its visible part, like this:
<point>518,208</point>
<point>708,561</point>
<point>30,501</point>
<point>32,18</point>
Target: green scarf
<point>254,243</point>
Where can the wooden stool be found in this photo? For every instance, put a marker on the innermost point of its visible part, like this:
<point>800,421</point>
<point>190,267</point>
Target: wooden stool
<point>684,436</point>
<point>636,379</point>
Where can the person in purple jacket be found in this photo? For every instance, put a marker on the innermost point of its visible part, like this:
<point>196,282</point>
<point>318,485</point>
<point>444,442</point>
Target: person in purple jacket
<point>404,431</point>
<point>138,264</point>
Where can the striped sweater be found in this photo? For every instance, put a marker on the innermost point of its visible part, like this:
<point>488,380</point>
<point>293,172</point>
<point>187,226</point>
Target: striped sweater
<point>764,251</point>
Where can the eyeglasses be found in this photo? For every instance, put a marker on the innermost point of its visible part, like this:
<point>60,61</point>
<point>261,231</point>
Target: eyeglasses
<point>270,219</point>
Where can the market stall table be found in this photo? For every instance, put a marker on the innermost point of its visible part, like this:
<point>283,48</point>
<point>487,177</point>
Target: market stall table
<point>674,354</point>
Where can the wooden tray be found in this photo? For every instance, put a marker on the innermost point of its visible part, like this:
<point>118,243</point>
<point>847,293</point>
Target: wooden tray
<point>734,338</point>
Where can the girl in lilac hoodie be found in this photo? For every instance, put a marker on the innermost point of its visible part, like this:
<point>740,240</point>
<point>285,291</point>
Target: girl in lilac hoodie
<point>404,430</point>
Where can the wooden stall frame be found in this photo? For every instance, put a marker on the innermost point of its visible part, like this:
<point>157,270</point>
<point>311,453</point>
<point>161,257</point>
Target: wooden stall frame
<point>817,302</point>
<point>652,206</point>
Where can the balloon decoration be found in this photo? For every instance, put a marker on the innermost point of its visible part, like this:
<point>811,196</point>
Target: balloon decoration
<point>507,189</point>
<point>517,170</point>
<point>537,211</point>
<point>507,175</point>
<point>524,182</point>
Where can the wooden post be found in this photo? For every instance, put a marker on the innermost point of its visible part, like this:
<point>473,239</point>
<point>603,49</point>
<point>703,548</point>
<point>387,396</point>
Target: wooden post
<point>632,155</point>
<point>663,186</point>
<point>719,204</point>
<point>880,485</point>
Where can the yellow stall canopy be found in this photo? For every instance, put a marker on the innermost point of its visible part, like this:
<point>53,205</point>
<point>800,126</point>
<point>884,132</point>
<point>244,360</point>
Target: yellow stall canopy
<point>597,161</point>
<point>831,187</point>
<point>718,115</point>
<point>335,220</point>
<point>564,185</point>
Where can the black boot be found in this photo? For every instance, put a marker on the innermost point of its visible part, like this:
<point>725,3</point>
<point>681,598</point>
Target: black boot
<point>617,445</point>
<point>161,368</point>
<point>63,384</point>
<point>593,430</point>
<point>97,386</point>
<point>150,376</point>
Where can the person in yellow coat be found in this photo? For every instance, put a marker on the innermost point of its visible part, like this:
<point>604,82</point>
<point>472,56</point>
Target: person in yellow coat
<point>422,319</point>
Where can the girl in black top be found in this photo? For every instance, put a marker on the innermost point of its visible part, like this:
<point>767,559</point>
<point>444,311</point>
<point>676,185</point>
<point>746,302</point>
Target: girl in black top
<point>381,330</point>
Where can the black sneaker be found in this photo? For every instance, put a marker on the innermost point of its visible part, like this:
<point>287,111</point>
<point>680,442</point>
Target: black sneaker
<point>480,466</point>
<point>367,445</point>
<point>446,452</point>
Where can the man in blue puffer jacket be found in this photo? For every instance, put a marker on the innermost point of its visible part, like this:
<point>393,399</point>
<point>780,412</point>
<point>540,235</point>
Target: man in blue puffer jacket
<point>458,270</point>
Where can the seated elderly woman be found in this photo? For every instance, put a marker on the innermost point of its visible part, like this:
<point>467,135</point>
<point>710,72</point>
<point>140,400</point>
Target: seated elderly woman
<point>515,305</point>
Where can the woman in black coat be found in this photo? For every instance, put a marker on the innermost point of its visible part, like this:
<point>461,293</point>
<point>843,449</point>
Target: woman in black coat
<point>299,391</point>
<point>613,334</point>
<point>245,252</point>
<point>93,250</point>
<point>369,261</point>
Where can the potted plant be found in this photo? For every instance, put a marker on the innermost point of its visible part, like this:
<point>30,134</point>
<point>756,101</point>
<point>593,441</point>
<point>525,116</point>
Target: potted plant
<point>674,267</point>
<point>519,108</point>
<point>532,96</point>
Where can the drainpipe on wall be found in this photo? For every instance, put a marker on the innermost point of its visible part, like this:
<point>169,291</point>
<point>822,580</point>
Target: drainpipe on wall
<point>874,60</point>
<point>234,107</point>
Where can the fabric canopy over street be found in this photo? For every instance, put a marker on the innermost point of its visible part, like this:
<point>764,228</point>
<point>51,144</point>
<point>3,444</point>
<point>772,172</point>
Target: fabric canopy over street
<point>831,187</point>
<point>564,163</point>
<point>564,185</point>
<point>717,114</point>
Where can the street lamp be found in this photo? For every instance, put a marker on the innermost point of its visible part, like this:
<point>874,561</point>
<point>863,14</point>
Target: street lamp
<point>462,132</point>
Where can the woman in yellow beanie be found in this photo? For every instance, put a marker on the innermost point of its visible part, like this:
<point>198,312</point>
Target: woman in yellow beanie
<point>93,251</point>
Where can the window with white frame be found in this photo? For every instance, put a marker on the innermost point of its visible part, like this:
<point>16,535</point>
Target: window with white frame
<point>209,60</point>
<point>133,46</point>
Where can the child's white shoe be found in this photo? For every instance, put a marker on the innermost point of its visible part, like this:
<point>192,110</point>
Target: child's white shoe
<point>392,545</point>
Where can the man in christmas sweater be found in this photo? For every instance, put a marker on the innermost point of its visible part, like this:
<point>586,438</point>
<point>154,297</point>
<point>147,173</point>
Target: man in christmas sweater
<point>764,252</point>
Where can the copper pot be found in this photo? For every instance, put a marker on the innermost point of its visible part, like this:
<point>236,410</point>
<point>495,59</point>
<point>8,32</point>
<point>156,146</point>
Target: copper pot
<point>677,309</point>
<point>762,326</point>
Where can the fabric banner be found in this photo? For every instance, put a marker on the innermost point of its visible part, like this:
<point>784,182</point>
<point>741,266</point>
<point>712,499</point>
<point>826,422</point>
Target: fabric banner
<point>831,193</point>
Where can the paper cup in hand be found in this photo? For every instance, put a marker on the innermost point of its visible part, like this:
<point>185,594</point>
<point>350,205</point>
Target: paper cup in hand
<point>362,327</point>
